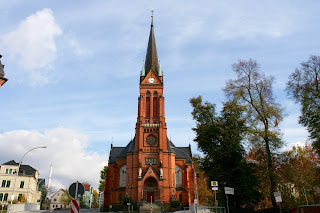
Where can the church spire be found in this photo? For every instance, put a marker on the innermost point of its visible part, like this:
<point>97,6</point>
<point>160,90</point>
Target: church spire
<point>152,56</point>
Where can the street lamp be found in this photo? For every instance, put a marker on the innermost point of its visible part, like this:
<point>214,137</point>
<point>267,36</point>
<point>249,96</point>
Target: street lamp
<point>17,173</point>
<point>194,178</point>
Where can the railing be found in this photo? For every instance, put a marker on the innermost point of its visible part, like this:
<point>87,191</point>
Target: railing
<point>206,209</point>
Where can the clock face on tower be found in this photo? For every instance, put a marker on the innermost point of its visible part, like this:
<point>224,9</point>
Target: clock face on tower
<point>151,80</point>
<point>151,140</point>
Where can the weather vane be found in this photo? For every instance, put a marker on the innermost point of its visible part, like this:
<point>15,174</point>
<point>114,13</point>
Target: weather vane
<point>152,11</point>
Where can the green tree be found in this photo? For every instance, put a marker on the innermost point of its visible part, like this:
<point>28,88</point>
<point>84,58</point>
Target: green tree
<point>304,87</point>
<point>253,90</point>
<point>65,198</point>
<point>220,139</point>
<point>44,192</point>
<point>102,178</point>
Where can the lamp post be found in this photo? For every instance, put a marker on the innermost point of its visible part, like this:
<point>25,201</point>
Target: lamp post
<point>194,178</point>
<point>17,173</point>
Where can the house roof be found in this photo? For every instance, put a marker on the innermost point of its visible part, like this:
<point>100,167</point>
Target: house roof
<point>24,169</point>
<point>121,152</point>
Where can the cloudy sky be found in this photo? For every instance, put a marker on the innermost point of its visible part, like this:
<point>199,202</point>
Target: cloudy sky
<point>73,70</point>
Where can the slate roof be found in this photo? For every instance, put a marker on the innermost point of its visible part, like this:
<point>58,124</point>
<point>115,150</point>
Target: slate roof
<point>121,152</point>
<point>24,169</point>
<point>152,56</point>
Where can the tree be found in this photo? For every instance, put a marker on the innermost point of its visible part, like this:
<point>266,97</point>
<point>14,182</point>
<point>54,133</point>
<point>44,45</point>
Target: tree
<point>220,139</point>
<point>95,198</point>
<point>44,192</point>
<point>304,87</point>
<point>65,198</point>
<point>102,178</point>
<point>300,172</point>
<point>253,90</point>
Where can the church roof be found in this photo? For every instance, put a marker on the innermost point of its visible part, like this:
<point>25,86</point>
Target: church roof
<point>152,56</point>
<point>121,152</point>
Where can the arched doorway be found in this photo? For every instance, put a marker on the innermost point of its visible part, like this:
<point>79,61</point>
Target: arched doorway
<point>151,191</point>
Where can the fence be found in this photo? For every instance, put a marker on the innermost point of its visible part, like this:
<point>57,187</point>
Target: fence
<point>206,209</point>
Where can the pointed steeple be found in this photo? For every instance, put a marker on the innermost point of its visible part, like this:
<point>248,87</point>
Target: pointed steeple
<point>152,56</point>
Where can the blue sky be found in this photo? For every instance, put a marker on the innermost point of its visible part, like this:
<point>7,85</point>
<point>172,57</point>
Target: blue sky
<point>73,70</point>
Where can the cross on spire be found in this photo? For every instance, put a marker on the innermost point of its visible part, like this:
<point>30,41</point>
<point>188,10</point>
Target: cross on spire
<point>152,11</point>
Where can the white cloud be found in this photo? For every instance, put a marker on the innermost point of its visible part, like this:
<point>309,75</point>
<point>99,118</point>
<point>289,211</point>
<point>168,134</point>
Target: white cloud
<point>33,42</point>
<point>66,151</point>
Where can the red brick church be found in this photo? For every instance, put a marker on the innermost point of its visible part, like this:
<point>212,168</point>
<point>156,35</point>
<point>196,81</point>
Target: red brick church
<point>150,167</point>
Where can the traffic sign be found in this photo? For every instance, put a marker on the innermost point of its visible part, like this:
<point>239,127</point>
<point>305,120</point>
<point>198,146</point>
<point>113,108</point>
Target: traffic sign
<point>79,187</point>
<point>74,208</point>
<point>229,190</point>
<point>214,183</point>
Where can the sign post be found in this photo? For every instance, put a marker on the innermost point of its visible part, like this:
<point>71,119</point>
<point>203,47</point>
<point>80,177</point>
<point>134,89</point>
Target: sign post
<point>214,185</point>
<point>76,191</point>
<point>277,197</point>
<point>228,191</point>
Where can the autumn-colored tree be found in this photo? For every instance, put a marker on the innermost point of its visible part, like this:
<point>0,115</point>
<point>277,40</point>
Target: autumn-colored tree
<point>205,194</point>
<point>253,90</point>
<point>300,173</point>
<point>95,198</point>
<point>65,198</point>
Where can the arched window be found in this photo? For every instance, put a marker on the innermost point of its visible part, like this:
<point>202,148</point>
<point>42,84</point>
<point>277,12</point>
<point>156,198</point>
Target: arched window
<point>148,105</point>
<point>155,105</point>
<point>178,176</point>
<point>122,181</point>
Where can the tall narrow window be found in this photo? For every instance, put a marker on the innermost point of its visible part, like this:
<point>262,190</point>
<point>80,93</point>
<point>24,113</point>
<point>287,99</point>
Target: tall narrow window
<point>1,196</point>
<point>147,106</point>
<point>3,183</point>
<point>155,107</point>
<point>10,171</point>
<point>19,197</point>
<point>21,184</point>
<point>122,181</point>
<point>8,183</point>
<point>5,198</point>
<point>178,176</point>
<point>7,171</point>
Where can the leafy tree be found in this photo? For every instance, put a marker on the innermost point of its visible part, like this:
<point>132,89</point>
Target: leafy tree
<point>44,192</point>
<point>65,198</point>
<point>102,178</point>
<point>300,173</point>
<point>205,194</point>
<point>253,90</point>
<point>95,198</point>
<point>304,87</point>
<point>220,139</point>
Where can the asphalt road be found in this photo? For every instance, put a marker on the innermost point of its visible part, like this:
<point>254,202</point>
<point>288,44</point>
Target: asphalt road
<point>63,211</point>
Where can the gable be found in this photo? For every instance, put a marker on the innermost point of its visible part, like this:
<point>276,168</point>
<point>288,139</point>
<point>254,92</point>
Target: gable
<point>151,75</point>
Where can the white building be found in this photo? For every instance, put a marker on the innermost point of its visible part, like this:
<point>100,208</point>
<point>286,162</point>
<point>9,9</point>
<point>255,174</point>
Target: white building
<point>25,186</point>
<point>55,201</point>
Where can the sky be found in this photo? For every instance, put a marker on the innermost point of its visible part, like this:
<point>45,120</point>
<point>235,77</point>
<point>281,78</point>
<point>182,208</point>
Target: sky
<point>73,70</point>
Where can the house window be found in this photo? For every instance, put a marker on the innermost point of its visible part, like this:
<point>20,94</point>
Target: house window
<point>1,196</point>
<point>120,197</point>
<point>54,199</point>
<point>173,179</point>
<point>178,176</point>
<point>8,183</point>
<point>10,171</point>
<point>19,197</point>
<point>5,197</point>
<point>3,183</point>
<point>21,184</point>
<point>7,171</point>
<point>122,181</point>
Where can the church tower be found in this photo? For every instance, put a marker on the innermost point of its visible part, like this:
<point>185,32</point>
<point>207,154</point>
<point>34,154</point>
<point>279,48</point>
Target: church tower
<point>150,167</point>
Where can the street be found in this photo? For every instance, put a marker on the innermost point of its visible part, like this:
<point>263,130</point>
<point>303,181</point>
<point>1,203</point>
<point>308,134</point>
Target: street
<point>63,211</point>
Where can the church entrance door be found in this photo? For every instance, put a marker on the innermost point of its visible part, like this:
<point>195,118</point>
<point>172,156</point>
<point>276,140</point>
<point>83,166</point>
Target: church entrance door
<point>151,190</point>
